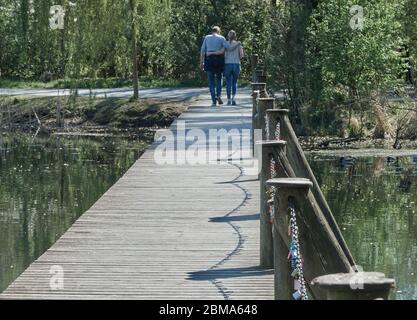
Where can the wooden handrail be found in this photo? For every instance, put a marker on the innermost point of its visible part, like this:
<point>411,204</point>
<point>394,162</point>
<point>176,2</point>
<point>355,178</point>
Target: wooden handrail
<point>289,180</point>
<point>295,155</point>
<point>321,251</point>
<point>302,169</point>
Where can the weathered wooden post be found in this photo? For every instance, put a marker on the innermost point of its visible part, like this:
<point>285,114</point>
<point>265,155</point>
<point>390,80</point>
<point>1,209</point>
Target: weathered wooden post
<point>264,104</point>
<point>254,65</point>
<point>355,286</point>
<point>255,96</point>
<point>261,87</point>
<point>258,91</point>
<point>289,192</point>
<point>271,168</point>
<point>273,122</point>
<point>260,76</point>
<point>260,66</point>
<point>1,118</point>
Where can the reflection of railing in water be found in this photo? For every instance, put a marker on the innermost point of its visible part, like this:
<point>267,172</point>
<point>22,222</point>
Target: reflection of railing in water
<point>288,185</point>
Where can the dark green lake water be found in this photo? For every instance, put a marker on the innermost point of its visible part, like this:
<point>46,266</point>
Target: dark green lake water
<point>46,184</point>
<point>374,201</point>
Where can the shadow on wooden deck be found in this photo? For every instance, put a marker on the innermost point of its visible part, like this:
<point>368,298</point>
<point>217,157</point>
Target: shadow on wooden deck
<point>214,274</point>
<point>248,217</point>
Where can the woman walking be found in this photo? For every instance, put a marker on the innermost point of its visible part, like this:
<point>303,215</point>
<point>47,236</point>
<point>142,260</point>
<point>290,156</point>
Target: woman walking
<point>232,58</point>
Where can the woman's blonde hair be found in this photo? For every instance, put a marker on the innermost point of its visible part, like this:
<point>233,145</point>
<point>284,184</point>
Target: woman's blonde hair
<point>232,35</point>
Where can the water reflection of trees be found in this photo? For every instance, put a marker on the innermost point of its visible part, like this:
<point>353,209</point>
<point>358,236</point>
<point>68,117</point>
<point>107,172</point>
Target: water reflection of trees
<point>45,185</point>
<point>377,215</point>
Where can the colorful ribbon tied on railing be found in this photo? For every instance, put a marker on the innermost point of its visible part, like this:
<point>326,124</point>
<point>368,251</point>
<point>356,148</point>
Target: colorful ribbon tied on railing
<point>294,255</point>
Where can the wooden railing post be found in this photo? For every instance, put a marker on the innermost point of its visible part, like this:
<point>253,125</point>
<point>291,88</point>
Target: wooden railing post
<point>274,117</point>
<point>258,91</point>
<point>260,76</point>
<point>271,168</point>
<point>355,286</point>
<point>263,105</point>
<point>255,96</point>
<point>261,87</point>
<point>288,191</point>
<point>260,66</point>
<point>254,66</point>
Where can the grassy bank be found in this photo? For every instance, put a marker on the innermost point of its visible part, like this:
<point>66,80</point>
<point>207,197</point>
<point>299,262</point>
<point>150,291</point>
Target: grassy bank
<point>101,83</point>
<point>104,83</point>
<point>88,112</point>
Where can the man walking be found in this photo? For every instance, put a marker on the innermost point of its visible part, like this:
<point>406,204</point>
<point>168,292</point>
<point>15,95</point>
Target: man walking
<point>214,64</point>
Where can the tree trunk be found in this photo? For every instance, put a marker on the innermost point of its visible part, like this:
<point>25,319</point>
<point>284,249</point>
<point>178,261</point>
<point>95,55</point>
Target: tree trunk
<point>135,70</point>
<point>133,6</point>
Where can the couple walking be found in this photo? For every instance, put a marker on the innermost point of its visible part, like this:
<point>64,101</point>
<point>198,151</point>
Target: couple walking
<point>219,56</point>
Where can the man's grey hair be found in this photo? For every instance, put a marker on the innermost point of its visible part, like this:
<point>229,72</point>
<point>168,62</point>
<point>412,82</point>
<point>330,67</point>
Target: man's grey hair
<point>215,29</point>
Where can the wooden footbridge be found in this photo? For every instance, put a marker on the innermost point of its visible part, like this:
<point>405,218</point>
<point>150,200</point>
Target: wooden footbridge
<point>208,230</point>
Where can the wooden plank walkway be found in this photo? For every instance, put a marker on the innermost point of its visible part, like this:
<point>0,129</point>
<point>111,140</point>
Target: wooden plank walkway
<point>164,232</point>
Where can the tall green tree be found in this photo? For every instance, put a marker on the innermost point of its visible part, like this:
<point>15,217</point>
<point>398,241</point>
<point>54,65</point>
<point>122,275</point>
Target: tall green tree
<point>350,58</point>
<point>409,19</point>
<point>286,54</point>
